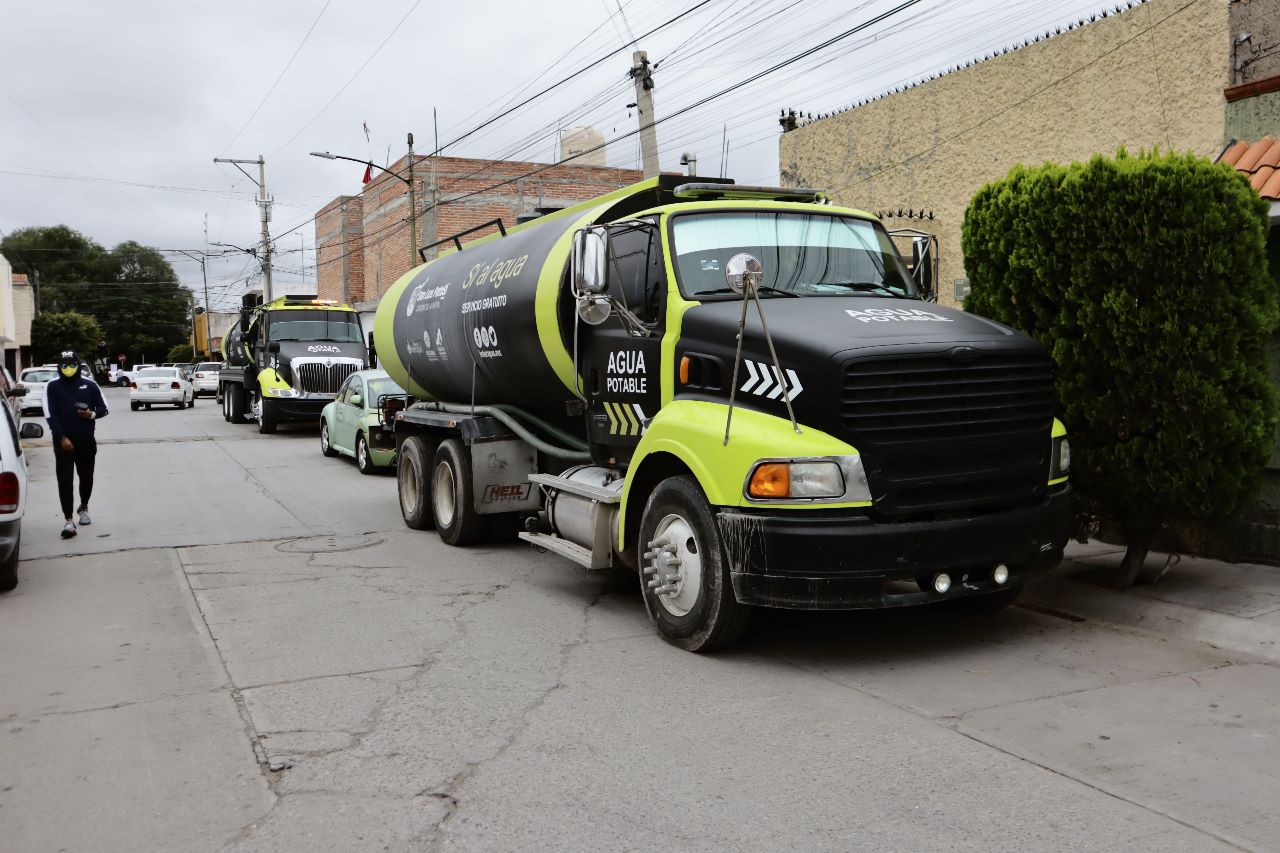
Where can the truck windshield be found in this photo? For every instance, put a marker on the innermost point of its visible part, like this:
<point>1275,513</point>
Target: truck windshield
<point>319,325</point>
<point>803,254</point>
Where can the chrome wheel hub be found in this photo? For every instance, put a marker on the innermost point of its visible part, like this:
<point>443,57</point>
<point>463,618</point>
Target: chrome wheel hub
<point>673,565</point>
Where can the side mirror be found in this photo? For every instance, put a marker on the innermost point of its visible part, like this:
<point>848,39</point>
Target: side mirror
<point>924,264</point>
<point>356,400</point>
<point>244,324</point>
<point>20,391</point>
<point>594,309</point>
<point>273,347</point>
<point>31,430</point>
<point>590,260</point>
<point>373,352</point>
<point>743,271</point>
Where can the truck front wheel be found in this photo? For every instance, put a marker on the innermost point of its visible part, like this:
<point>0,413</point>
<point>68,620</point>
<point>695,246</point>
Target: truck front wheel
<point>413,482</point>
<point>452,501</point>
<point>685,575</point>
<point>267,416</point>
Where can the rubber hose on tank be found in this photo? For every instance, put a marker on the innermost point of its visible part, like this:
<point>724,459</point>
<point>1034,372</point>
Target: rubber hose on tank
<point>565,437</point>
<point>519,429</point>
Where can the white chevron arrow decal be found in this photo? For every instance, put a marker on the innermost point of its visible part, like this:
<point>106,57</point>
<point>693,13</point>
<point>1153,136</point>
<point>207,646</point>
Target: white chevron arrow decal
<point>766,379</point>
<point>796,387</point>
<point>776,393</point>
<point>755,377</point>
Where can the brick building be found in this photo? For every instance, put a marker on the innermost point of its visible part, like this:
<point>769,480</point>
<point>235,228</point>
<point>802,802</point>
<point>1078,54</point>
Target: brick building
<point>1186,77</point>
<point>363,242</point>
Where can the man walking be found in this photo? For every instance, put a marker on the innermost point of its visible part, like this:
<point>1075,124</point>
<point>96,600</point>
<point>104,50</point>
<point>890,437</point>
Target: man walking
<point>71,404</point>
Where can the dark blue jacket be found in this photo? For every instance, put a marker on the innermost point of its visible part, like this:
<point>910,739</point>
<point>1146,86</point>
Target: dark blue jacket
<point>60,398</point>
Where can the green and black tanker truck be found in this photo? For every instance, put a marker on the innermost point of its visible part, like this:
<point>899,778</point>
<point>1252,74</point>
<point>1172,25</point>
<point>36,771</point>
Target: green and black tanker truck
<point>285,359</point>
<point>738,393</point>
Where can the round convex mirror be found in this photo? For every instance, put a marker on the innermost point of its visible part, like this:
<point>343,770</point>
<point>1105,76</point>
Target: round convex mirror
<point>741,269</point>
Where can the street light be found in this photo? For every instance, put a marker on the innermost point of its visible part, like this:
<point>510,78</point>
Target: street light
<point>413,213</point>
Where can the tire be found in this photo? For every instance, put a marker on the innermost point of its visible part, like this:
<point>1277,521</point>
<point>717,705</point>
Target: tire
<point>267,418</point>
<point>181,405</point>
<point>704,615</point>
<point>413,484</point>
<point>235,404</point>
<point>191,404</point>
<point>135,406</point>
<point>325,447</point>
<point>122,382</point>
<point>452,501</point>
<point>9,568</point>
<point>363,463</point>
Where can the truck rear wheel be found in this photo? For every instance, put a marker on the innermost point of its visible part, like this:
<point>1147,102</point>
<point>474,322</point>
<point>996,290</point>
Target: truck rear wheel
<point>452,501</point>
<point>685,576</point>
<point>235,404</point>
<point>413,483</point>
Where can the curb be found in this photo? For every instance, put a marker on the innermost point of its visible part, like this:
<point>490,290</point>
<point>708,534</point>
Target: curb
<point>1162,618</point>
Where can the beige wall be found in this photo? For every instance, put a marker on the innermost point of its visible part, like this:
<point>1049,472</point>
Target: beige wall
<point>1258,57</point>
<point>1128,80</point>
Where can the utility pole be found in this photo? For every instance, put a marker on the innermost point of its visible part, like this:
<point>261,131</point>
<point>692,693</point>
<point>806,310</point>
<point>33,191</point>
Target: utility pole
<point>208,340</point>
<point>413,213</point>
<point>264,208</point>
<point>643,77</point>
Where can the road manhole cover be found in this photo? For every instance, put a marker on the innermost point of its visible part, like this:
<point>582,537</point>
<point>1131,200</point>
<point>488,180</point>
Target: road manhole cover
<point>329,544</point>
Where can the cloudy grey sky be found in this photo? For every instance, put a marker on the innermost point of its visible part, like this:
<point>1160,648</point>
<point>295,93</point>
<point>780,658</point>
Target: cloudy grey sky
<point>111,112</point>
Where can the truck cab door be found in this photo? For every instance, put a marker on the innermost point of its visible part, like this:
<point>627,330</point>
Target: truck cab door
<point>621,364</point>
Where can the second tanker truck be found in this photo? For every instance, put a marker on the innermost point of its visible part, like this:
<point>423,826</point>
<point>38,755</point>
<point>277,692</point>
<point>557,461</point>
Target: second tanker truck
<point>737,393</point>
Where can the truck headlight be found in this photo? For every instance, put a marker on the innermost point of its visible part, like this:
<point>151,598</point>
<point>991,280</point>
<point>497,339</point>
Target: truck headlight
<point>1061,465</point>
<point>808,479</point>
<point>282,392</point>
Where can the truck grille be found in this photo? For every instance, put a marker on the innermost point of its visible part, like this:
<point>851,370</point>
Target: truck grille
<point>322,379</point>
<point>940,436</point>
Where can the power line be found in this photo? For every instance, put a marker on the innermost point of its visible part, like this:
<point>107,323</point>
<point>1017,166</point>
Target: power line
<point>279,77</point>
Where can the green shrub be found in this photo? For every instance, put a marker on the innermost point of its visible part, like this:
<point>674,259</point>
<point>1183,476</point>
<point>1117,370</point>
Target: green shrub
<point>181,353</point>
<point>1146,276</point>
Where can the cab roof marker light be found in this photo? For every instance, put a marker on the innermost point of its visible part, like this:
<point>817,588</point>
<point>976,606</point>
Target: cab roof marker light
<point>712,192</point>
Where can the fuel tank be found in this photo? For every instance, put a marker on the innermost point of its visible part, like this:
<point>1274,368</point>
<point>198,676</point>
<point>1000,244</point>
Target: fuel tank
<point>489,323</point>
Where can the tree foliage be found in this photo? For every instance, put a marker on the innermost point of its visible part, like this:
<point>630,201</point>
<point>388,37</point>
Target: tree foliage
<point>1146,276</point>
<point>181,353</point>
<point>131,290</point>
<point>53,333</point>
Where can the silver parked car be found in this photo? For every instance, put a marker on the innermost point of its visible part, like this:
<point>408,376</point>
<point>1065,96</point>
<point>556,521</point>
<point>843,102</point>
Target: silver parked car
<point>160,385</point>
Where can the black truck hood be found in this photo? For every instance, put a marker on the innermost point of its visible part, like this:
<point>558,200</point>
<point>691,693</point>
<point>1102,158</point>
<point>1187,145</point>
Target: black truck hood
<point>289,350</point>
<point>829,326</point>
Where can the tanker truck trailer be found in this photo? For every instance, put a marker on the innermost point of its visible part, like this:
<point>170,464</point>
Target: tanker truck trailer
<point>740,394</point>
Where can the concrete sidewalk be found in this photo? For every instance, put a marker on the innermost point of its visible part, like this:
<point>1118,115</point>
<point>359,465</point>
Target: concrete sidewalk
<point>1231,606</point>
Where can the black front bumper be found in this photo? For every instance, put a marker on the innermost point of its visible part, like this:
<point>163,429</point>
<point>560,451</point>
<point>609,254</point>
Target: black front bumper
<point>804,561</point>
<point>293,409</point>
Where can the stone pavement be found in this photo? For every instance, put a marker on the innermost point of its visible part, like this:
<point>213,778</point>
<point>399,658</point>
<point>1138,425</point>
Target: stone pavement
<point>1230,606</point>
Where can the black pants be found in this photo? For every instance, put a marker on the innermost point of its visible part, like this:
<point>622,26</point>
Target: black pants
<point>81,460</point>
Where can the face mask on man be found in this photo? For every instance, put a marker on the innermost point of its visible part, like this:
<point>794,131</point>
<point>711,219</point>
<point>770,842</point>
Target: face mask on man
<point>69,370</point>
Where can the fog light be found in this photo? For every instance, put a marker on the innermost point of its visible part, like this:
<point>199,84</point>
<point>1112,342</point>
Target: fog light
<point>1000,574</point>
<point>941,583</point>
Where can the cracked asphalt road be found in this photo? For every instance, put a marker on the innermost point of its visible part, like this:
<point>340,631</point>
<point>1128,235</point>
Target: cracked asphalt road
<point>248,651</point>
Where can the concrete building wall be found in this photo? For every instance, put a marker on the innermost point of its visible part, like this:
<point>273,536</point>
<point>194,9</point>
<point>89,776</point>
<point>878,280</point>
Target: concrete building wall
<point>1258,56</point>
<point>1150,76</point>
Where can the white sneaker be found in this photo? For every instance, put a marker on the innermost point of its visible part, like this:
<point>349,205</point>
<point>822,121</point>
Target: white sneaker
<point>69,530</point>
<point>84,516</point>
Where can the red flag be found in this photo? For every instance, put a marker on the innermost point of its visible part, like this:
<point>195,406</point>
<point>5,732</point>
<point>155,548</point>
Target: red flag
<point>368,173</point>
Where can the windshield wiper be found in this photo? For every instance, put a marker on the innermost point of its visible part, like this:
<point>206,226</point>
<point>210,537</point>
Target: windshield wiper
<point>862,286</point>
<point>759,289</point>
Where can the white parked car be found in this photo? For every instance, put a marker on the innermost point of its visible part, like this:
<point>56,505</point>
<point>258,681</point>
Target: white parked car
<point>13,493</point>
<point>34,379</point>
<point>123,376</point>
<point>205,377</point>
<point>158,385</point>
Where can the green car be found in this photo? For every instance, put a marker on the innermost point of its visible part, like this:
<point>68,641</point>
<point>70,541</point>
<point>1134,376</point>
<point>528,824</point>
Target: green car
<point>350,425</point>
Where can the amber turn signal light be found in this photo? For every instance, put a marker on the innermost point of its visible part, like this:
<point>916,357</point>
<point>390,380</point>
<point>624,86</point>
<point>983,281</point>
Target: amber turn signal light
<point>684,370</point>
<point>770,480</point>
